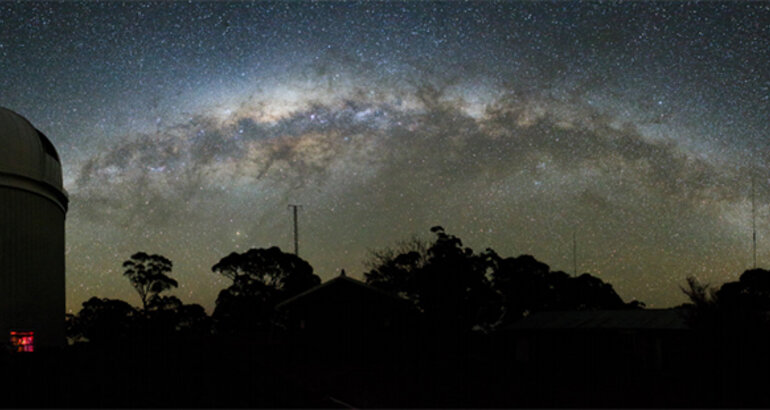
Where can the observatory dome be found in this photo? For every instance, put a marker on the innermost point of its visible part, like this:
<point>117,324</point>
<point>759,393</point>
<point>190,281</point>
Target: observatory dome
<point>28,160</point>
<point>33,207</point>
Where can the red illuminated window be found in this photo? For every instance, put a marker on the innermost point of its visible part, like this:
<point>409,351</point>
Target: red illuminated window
<point>23,341</point>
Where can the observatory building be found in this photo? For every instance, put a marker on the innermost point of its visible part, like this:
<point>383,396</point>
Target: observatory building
<point>33,204</point>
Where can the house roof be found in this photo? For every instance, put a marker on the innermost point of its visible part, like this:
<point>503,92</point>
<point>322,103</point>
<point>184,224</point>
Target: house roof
<point>338,281</point>
<point>648,319</point>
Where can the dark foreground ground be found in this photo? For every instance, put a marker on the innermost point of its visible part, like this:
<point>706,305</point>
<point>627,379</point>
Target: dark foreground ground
<point>241,373</point>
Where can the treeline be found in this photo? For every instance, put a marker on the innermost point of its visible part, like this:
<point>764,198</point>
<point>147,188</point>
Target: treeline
<point>454,288</point>
<point>463,350</point>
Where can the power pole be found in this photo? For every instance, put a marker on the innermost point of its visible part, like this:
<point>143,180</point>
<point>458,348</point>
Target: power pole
<point>574,253</point>
<point>296,230</point>
<point>753,222</point>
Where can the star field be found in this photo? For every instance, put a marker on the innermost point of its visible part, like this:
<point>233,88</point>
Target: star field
<point>186,128</point>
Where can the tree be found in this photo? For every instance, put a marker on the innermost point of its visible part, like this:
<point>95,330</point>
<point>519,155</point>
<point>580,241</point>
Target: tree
<point>103,320</point>
<point>740,304</point>
<point>149,275</point>
<point>454,284</point>
<point>444,280</point>
<point>262,278</point>
<point>447,281</point>
<point>702,311</point>
<point>751,293</point>
<point>527,285</point>
<point>168,315</point>
<point>394,269</point>
<point>285,273</point>
<point>733,327</point>
<point>700,294</point>
<point>588,292</point>
<point>522,284</point>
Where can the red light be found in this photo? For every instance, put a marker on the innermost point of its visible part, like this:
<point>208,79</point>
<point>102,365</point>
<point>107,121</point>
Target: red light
<point>23,341</point>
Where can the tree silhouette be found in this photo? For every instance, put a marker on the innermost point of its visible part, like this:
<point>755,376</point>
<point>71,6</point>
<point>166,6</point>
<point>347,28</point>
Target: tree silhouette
<point>702,311</point>
<point>700,294</point>
<point>394,269</point>
<point>750,293</point>
<point>522,284</point>
<point>454,284</point>
<point>286,273</point>
<point>167,314</point>
<point>743,303</point>
<point>733,328</point>
<point>587,292</point>
<point>261,279</point>
<point>444,280</point>
<point>527,285</point>
<point>103,320</point>
<point>149,275</point>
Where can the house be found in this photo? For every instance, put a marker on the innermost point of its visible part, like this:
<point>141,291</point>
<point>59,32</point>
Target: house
<point>345,314</point>
<point>643,339</point>
<point>614,358</point>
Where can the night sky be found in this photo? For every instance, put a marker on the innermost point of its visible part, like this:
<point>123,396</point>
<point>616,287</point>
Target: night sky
<point>186,128</point>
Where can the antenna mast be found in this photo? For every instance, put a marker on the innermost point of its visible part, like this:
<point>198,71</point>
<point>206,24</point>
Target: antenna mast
<point>753,222</point>
<point>574,253</point>
<point>296,230</point>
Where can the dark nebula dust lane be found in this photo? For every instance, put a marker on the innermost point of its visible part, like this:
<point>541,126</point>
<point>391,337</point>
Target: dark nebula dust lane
<point>186,129</point>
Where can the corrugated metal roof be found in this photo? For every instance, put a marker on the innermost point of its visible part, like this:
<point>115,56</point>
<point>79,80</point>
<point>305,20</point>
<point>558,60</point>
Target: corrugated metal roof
<point>659,319</point>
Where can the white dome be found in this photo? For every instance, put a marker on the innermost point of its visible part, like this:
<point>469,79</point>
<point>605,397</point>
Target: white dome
<point>27,153</point>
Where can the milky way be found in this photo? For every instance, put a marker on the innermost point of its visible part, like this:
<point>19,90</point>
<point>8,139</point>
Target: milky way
<point>187,129</point>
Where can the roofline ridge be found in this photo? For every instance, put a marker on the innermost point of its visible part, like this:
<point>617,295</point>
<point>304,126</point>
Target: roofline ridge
<point>333,280</point>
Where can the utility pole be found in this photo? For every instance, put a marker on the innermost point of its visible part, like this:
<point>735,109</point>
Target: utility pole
<point>753,221</point>
<point>574,254</point>
<point>296,230</point>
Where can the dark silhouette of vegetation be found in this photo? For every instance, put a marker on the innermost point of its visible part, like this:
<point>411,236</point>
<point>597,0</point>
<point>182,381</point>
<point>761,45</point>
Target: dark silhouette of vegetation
<point>103,321</point>
<point>527,285</point>
<point>733,327</point>
<point>262,278</point>
<point>702,310</point>
<point>751,293</point>
<point>445,280</point>
<point>741,304</point>
<point>111,320</point>
<point>394,269</point>
<point>167,315</point>
<point>149,275</point>
<point>435,325</point>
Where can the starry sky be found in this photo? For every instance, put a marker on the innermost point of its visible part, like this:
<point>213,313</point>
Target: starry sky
<point>186,129</point>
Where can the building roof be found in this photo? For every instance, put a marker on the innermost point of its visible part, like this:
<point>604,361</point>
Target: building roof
<point>636,319</point>
<point>340,280</point>
<point>28,157</point>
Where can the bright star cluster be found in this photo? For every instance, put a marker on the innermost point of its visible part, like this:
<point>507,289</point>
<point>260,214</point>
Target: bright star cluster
<point>187,128</point>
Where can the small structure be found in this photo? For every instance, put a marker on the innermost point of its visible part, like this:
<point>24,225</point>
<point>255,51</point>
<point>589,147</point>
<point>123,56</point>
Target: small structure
<point>639,339</point>
<point>33,204</point>
<point>603,358</point>
<point>345,314</point>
